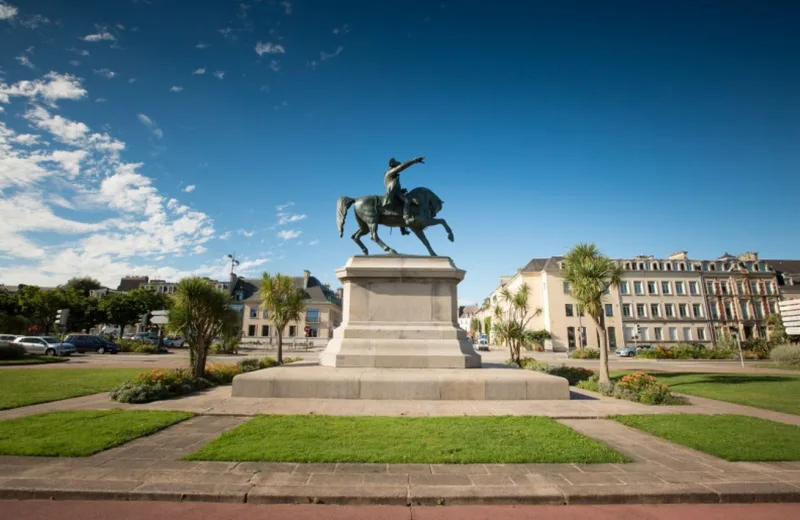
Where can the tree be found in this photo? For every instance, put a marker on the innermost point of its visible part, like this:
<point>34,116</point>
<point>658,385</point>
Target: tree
<point>199,313</point>
<point>485,304</point>
<point>150,300</point>
<point>83,284</point>
<point>84,311</point>
<point>775,330</point>
<point>283,302</point>
<point>474,327</point>
<point>122,309</point>
<point>487,326</point>
<point>540,336</point>
<point>511,323</point>
<point>41,305</point>
<point>590,275</point>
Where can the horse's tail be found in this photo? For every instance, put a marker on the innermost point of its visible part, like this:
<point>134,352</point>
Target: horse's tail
<point>342,205</point>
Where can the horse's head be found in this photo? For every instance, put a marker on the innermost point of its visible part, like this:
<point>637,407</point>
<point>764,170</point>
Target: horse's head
<point>435,204</point>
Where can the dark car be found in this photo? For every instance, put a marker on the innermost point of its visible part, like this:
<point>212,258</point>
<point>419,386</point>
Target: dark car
<point>92,343</point>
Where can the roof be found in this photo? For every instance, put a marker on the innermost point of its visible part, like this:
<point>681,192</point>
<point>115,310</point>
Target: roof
<point>786,269</point>
<point>131,283</point>
<point>542,264</point>
<point>316,291</point>
<point>468,310</point>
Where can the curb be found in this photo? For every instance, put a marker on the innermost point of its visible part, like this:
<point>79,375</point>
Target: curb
<point>422,495</point>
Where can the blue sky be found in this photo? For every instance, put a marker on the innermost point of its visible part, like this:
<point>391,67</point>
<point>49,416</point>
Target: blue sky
<point>144,137</point>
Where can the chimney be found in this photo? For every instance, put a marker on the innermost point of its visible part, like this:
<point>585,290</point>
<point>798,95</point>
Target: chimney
<point>306,275</point>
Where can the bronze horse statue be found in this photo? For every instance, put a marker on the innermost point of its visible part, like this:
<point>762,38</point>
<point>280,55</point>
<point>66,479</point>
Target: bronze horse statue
<point>370,212</point>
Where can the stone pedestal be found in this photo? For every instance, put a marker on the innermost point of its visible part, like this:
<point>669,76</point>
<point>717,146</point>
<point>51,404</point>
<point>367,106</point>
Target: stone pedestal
<point>400,312</point>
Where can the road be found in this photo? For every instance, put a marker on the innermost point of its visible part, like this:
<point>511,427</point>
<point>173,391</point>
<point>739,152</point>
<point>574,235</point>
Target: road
<point>68,510</point>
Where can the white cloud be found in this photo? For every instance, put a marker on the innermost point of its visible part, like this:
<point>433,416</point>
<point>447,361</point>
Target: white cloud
<point>106,73</point>
<point>281,207</point>
<point>120,26</point>
<point>190,188</point>
<point>25,61</point>
<point>25,139</point>
<point>199,250</point>
<point>175,88</point>
<point>149,123</point>
<point>288,234</point>
<point>324,56</point>
<point>202,45</point>
<point>219,74</point>
<point>225,236</point>
<point>74,63</point>
<point>341,30</point>
<point>100,100</point>
<point>246,233</point>
<point>314,242</point>
<point>63,129</point>
<point>287,6</point>
<point>199,71</point>
<point>50,88</point>
<point>101,35</point>
<point>286,218</point>
<point>7,11</point>
<point>269,48</point>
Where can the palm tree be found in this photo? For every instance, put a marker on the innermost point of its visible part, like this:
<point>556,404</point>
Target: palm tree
<point>511,323</point>
<point>199,313</point>
<point>283,302</point>
<point>590,274</point>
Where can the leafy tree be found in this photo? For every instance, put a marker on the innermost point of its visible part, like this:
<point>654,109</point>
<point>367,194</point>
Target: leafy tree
<point>283,303</point>
<point>511,323</point>
<point>151,300</point>
<point>540,336</point>
<point>122,309</point>
<point>199,313</point>
<point>485,304</point>
<point>83,284</point>
<point>41,305</point>
<point>487,326</point>
<point>84,311</point>
<point>474,327</point>
<point>775,330</point>
<point>590,275</point>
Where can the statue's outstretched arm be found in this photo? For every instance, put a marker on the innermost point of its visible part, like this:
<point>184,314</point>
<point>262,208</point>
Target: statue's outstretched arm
<point>397,169</point>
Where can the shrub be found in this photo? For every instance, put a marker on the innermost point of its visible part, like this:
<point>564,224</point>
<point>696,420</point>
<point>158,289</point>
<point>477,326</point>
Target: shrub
<point>637,382</point>
<point>11,351</point>
<point>587,353</point>
<point>126,345</point>
<point>786,355</point>
<point>144,348</point>
<point>572,374</point>
<point>249,365</point>
<point>759,347</point>
<point>637,387</point>
<point>222,374</point>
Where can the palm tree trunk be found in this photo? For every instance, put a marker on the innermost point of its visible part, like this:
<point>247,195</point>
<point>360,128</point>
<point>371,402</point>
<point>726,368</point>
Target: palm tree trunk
<point>280,346</point>
<point>199,366</point>
<point>121,331</point>
<point>604,376</point>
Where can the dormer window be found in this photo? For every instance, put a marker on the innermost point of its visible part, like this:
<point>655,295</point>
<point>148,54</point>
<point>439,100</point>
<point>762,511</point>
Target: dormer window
<point>681,266</point>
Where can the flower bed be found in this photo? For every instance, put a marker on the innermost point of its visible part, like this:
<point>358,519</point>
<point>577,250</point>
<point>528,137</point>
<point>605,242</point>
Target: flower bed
<point>637,387</point>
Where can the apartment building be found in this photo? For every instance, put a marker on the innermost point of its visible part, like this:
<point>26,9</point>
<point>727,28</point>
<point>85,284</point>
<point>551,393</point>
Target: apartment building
<point>659,300</point>
<point>323,311</point>
<point>465,315</point>
<point>788,274</point>
<point>165,287</point>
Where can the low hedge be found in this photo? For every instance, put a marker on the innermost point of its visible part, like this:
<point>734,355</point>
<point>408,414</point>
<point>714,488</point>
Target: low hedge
<point>637,387</point>
<point>687,351</point>
<point>587,353</point>
<point>786,355</point>
<point>127,345</point>
<point>11,350</point>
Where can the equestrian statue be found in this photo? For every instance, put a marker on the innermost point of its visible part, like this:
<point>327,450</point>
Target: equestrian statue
<point>400,208</point>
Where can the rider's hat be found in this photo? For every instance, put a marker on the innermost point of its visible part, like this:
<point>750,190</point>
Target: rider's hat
<point>393,163</point>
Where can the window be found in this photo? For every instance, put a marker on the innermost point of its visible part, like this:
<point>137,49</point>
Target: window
<point>612,337</point>
<point>571,337</point>
<point>659,333</point>
<point>582,338</point>
<point>712,267</point>
<point>728,311</point>
<point>265,314</point>
<point>673,334</point>
<point>566,288</point>
<point>739,288</point>
<point>251,330</point>
<point>679,288</point>
<point>643,334</point>
<point>568,309</point>
<point>665,288</point>
<point>669,310</point>
<point>683,310</point>
<point>313,333</point>
<point>687,334</point>
<point>640,310</point>
<point>292,331</point>
<point>669,266</point>
<point>697,310</point>
<point>312,315</point>
<point>693,288</point>
<point>637,288</point>
<point>623,287</point>
<point>626,310</point>
<point>655,266</point>
<point>265,330</point>
<point>682,267</point>
<point>655,312</point>
<point>254,312</point>
<point>710,287</point>
<point>723,285</point>
<point>772,307</point>
<point>239,296</point>
<point>768,287</point>
<point>701,333</point>
<point>754,287</point>
<point>759,311</point>
<point>609,310</point>
<point>651,288</point>
<point>627,265</point>
<point>743,306</point>
<point>628,334</point>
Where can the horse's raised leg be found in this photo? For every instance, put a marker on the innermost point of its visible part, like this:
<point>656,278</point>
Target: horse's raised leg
<point>362,230</point>
<point>373,230</point>
<point>427,222</point>
<point>421,236</point>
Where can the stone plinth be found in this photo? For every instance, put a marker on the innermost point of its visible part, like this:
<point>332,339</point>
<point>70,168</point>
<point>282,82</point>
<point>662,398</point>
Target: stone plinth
<point>485,384</point>
<point>400,312</point>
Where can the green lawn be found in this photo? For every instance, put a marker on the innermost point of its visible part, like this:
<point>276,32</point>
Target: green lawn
<point>777,392</point>
<point>20,387</point>
<point>731,437</point>
<point>424,440</point>
<point>33,360</point>
<point>80,433</point>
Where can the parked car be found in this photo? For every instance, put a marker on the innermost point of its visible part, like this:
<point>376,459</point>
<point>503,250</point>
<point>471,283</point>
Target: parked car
<point>144,337</point>
<point>47,345</point>
<point>92,343</point>
<point>626,351</point>
<point>174,341</point>
<point>8,337</point>
<point>482,344</point>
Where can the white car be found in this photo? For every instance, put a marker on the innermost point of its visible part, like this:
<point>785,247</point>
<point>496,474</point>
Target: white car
<point>174,341</point>
<point>45,345</point>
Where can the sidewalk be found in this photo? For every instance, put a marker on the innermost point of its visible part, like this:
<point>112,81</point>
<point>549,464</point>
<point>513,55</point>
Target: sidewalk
<point>149,469</point>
